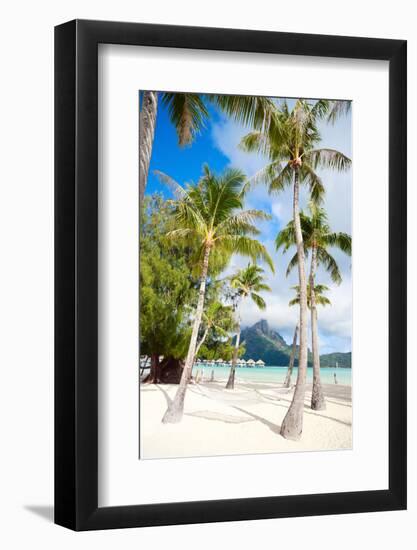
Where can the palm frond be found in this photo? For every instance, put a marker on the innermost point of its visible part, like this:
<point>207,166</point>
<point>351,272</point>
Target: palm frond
<point>178,191</point>
<point>339,108</point>
<point>263,286</point>
<point>188,114</point>
<point>322,300</point>
<point>256,142</point>
<point>320,289</point>
<point>265,175</point>
<point>342,241</point>
<point>179,233</point>
<point>242,222</point>
<point>282,179</point>
<point>186,215</point>
<point>286,237</point>
<point>246,246</point>
<point>249,281</point>
<point>314,182</point>
<point>328,158</point>
<point>254,111</point>
<point>319,295</point>
<point>259,301</point>
<point>330,265</point>
<point>224,194</point>
<point>292,264</point>
<point>321,108</point>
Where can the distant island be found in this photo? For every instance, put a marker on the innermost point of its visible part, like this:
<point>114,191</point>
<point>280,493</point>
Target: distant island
<point>264,343</point>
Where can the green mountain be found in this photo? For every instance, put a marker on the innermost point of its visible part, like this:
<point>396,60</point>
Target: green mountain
<point>261,342</point>
<point>343,360</point>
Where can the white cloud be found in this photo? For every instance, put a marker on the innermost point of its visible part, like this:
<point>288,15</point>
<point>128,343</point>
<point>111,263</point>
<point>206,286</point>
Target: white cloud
<point>226,136</point>
<point>335,321</point>
<point>277,209</point>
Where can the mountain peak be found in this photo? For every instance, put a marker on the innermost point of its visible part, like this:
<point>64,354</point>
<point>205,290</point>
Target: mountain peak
<point>263,329</point>
<point>262,326</point>
<point>262,342</point>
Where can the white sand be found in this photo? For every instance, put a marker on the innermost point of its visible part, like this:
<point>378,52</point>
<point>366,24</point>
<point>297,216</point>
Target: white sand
<point>245,420</point>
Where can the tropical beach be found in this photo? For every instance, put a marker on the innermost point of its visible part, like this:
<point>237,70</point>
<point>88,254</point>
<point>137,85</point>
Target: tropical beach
<point>216,419</point>
<point>245,275</point>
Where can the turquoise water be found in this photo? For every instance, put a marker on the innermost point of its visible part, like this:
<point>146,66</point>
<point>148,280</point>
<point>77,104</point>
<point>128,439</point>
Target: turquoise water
<point>274,374</point>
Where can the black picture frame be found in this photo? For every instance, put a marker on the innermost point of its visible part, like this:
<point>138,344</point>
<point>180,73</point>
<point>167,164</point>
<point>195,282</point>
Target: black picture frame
<point>76,272</point>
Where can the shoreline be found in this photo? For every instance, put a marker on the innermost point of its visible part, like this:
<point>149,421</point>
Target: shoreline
<point>245,420</point>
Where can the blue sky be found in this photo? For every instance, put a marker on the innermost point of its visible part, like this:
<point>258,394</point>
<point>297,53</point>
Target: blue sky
<point>217,145</point>
<point>184,164</point>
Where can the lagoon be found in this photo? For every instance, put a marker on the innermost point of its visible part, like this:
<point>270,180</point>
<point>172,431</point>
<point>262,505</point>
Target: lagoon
<point>274,374</point>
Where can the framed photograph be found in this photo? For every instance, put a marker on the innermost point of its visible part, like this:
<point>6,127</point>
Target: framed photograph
<point>230,245</point>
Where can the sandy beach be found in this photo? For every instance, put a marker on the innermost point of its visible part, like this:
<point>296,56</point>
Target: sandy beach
<point>245,420</point>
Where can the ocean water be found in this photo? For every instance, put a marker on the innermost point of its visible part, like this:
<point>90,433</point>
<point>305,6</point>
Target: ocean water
<point>274,374</point>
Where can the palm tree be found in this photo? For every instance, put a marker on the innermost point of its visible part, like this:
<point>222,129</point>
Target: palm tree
<point>188,113</point>
<point>248,283</point>
<point>290,142</point>
<point>320,297</point>
<point>287,381</point>
<point>217,318</point>
<point>320,300</point>
<point>317,238</point>
<point>210,215</point>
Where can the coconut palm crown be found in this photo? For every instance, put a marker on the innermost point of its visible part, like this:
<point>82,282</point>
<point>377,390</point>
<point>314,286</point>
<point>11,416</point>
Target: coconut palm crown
<point>317,234</point>
<point>248,283</point>
<point>217,318</point>
<point>319,290</point>
<point>210,214</point>
<point>290,142</point>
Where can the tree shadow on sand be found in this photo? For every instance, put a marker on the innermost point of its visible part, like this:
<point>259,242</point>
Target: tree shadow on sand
<point>349,405</point>
<point>276,428</point>
<point>220,417</point>
<point>165,394</point>
<point>230,419</point>
<point>309,411</point>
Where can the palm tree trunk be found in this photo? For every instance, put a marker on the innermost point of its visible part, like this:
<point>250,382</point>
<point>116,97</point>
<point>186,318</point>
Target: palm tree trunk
<point>197,349</point>
<point>292,425</point>
<point>176,408</point>
<point>201,342</point>
<point>154,379</point>
<point>231,381</point>
<point>318,402</point>
<point>287,381</point>
<point>147,122</point>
